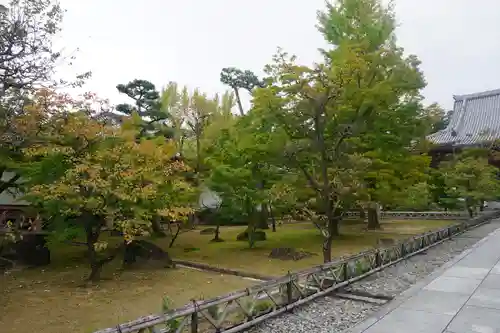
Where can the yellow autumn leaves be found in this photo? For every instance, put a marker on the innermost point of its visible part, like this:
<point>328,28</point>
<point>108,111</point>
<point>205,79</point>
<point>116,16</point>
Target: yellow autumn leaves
<point>108,172</point>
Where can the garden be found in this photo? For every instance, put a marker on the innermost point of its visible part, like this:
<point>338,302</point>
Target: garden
<point>179,195</point>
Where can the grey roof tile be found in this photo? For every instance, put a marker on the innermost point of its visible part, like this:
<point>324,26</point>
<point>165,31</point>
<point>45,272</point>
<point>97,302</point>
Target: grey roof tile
<point>475,120</point>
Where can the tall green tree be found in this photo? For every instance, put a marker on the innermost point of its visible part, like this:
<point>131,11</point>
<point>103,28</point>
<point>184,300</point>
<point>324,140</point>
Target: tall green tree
<point>388,136</point>
<point>392,141</point>
<point>238,79</point>
<point>152,119</point>
<point>174,102</point>
<point>472,178</point>
<point>240,172</point>
<point>147,104</point>
<point>198,115</point>
<point>324,107</point>
<point>436,117</point>
<point>221,120</point>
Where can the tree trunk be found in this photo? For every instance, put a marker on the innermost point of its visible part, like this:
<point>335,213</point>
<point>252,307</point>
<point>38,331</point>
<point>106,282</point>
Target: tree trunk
<point>362,214</point>
<point>198,153</point>
<point>333,216</point>
<point>327,249</point>
<point>373,216</point>
<point>273,220</point>
<point>251,236</point>
<point>217,238</point>
<point>251,223</point>
<point>470,207</point>
<point>238,100</point>
<point>174,237</point>
<point>470,211</point>
<point>91,239</point>
<point>95,272</point>
<point>333,231</point>
<point>156,226</point>
<point>262,218</point>
<point>93,226</point>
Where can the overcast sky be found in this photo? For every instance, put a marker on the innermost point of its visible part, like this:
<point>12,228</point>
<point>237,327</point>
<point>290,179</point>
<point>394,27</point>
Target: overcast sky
<point>189,41</point>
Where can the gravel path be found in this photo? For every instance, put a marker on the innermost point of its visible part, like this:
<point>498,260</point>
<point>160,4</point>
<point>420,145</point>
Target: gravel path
<point>329,314</point>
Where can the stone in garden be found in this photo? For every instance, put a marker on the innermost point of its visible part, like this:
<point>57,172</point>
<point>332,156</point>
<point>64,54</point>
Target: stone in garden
<point>143,254</point>
<point>207,231</point>
<point>288,253</point>
<point>258,235</point>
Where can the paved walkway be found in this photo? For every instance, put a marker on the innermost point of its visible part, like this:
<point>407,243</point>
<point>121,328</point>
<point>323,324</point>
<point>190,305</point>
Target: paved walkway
<point>461,297</point>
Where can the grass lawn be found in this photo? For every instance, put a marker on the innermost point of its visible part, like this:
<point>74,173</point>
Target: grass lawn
<point>236,254</point>
<point>50,300</point>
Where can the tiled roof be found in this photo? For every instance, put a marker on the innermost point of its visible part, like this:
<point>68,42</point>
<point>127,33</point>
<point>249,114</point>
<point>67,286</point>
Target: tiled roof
<point>475,120</point>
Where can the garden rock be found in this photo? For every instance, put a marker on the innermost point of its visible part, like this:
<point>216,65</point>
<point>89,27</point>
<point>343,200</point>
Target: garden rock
<point>143,254</point>
<point>288,253</point>
<point>258,235</point>
<point>208,231</point>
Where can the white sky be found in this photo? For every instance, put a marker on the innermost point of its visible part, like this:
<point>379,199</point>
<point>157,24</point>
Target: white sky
<point>190,41</point>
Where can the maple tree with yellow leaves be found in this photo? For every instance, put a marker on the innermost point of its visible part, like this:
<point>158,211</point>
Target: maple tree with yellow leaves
<point>94,176</point>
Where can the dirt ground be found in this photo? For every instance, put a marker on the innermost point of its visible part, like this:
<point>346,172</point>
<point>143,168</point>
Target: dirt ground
<point>52,302</point>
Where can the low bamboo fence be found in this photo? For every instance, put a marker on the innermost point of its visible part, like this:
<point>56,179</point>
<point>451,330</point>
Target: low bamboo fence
<point>243,309</point>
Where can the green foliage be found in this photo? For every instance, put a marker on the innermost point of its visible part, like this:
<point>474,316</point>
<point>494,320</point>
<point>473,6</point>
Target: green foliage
<point>472,178</point>
<point>225,215</point>
<point>328,110</point>
<point>439,191</point>
<point>88,175</point>
<point>239,170</point>
<point>147,105</point>
<point>238,79</point>
<point>437,119</point>
<point>417,197</point>
<point>173,105</point>
<point>172,324</point>
<point>366,22</point>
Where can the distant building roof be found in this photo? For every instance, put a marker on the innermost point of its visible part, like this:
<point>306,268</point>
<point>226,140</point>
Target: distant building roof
<point>475,120</point>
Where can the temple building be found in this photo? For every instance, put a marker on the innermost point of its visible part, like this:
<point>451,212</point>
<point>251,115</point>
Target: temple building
<point>475,122</point>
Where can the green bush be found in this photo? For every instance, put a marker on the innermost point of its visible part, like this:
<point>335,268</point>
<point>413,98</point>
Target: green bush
<point>225,216</point>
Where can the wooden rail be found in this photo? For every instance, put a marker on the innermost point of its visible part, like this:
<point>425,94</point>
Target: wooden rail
<point>242,309</point>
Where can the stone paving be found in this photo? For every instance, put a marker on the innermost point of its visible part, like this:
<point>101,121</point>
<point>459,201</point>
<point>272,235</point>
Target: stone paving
<point>461,297</point>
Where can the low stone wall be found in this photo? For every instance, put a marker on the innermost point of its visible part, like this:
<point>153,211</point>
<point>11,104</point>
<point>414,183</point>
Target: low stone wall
<point>416,215</point>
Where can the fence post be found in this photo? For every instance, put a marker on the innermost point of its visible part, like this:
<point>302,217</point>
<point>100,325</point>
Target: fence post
<point>194,322</point>
<point>403,249</point>
<point>378,258</point>
<point>194,319</point>
<point>346,270</point>
<point>289,290</point>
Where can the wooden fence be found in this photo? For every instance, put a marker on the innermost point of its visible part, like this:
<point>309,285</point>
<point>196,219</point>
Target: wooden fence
<point>242,309</point>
